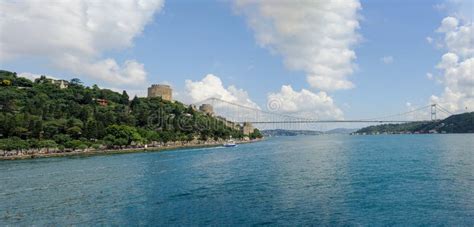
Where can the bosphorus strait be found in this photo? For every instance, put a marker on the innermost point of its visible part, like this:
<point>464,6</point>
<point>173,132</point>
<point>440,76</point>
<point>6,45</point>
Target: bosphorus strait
<point>326,179</point>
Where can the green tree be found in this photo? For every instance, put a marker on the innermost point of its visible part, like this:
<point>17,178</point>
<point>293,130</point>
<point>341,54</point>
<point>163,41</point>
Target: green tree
<point>91,130</point>
<point>5,83</point>
<point>74,131</point>
<point>124,134</point>
<point>76,81</point>
<point>74,144</point>
<point>66,116</point>
<point>48,144</point>
<point>13,144</point>
<point>124,100</point>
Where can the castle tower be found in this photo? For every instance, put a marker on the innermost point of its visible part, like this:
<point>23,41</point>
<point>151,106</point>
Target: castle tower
<point>207,109</point>
<point>247,128</point>
<point>160,90</point>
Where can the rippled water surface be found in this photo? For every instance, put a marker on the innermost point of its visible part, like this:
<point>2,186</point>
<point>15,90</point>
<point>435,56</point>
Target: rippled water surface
<point>399,179</point>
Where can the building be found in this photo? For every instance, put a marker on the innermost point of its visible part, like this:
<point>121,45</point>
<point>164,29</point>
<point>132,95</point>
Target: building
<point>207,109</point>
<point>193,107</point>
<point>247,128</point>
<point>62,84</point>
<point>160,90</point>
<point>102,102</point>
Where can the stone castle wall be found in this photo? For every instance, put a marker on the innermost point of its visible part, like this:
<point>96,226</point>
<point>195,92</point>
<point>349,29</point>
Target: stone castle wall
<point>159,90</point>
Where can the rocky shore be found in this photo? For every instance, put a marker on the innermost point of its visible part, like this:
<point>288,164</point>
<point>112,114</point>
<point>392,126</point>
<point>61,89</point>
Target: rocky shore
<point>46,153</point>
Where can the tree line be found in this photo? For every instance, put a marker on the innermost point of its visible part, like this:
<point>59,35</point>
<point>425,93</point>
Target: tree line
<point>39,114</point>
<point>458,123</point>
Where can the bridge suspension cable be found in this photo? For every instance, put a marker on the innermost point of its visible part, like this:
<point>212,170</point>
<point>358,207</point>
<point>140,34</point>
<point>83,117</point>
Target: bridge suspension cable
<point>255,109</point>
<point>444,110</point>
<point>266,117</point>
<point>400,114</point>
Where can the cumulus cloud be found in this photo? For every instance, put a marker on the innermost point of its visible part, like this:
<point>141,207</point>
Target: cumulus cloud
<point>429,76</point>
<point>313,36</point>
<point>74,34</point>
<point>108,70</point>
<point>31,76</point>
<point>429,39</point>
<point>131,92</point>
<point>304,103</point>
<point>211,86</point>
<point>456,65</point>
<point>461,9</point>
<point>459,83</point>
<point>387,59</point>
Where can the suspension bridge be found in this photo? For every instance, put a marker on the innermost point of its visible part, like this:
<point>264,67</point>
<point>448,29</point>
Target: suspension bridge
<point>273,118</point>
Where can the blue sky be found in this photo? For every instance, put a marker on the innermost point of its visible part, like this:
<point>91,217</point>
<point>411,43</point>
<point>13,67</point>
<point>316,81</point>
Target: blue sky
<point>187,40</point>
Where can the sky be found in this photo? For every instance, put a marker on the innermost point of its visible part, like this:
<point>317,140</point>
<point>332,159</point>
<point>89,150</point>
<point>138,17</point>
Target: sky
<point>341,59</point>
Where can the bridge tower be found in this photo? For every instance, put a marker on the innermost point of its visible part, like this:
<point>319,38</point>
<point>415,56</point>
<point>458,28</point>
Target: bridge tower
<point>433,112</point>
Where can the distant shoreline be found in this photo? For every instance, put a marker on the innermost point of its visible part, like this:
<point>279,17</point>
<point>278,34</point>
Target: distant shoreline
<point>118,151</point>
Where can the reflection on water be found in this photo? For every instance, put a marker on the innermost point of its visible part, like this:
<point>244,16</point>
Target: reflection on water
<point>399,179</point>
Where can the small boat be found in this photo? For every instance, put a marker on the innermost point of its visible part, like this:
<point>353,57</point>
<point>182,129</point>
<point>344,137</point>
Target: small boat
<point>230,143</point>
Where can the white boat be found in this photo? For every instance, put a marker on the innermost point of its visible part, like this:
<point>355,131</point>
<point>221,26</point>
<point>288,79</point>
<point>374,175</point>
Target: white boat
<point>230,143</point>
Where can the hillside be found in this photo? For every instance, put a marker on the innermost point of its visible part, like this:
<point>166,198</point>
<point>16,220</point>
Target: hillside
<point>340,131</point>
<point>460,123</point>
<point>66,114</point>
<point>284,132</point>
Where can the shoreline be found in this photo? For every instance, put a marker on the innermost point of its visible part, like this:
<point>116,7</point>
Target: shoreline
<point>118,151</point>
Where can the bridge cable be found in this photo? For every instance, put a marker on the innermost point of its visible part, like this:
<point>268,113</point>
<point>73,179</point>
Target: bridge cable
<point>399,114</point>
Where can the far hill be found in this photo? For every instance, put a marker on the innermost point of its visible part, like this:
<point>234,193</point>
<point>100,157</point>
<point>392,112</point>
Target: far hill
<point>284,132</point>
<point>287,132</point>
<point>341,131</point>
<point>460,123</point>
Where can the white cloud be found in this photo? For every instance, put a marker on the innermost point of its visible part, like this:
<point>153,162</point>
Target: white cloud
<point>74,34</point>
<point>31,76</point>
<point>461,9</point>
<point>304,103</point>
<point>458,39</point>
<point>129,74</point>
<point>313,36</point>
<point>287,101</point>
<point>387,59</point>
<point>439,7</point>
<point>448,24</point>
<point>429,40</point>
<point>456,65</point>
<point>459,83</point>
<point>429,76</point>
<point>131,92</point>
<point>211,86</point>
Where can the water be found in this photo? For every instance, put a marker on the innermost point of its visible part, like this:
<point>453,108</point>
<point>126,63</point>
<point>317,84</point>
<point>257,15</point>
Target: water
<point>327,180</point>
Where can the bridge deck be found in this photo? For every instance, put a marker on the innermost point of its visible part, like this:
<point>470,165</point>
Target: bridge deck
<point>330,121</point>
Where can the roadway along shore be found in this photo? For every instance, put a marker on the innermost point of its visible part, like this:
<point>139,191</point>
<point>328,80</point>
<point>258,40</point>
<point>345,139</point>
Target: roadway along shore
<point>90,152</point>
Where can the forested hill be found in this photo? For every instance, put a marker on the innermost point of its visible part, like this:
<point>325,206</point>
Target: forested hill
<point>40,114</point>
<point>460,123</point>
<point>284,132</point>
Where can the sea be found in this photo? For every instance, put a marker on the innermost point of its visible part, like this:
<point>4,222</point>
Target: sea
<point>301,180</point>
